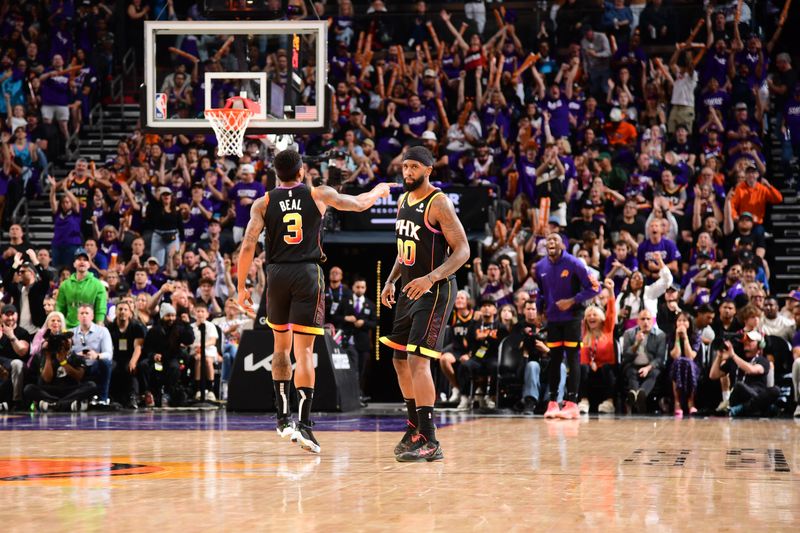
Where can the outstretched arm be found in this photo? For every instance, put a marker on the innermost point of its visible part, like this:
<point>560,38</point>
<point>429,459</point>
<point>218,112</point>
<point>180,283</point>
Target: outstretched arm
<point>254,227</point>
<point>346,202</point>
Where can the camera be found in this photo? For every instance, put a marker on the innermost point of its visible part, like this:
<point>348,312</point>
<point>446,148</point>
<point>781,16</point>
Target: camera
<point>57,343</point>
<point>540,335</point>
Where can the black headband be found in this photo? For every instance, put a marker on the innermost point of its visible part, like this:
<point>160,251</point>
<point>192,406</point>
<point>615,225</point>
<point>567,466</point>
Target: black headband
<point>419,154</point>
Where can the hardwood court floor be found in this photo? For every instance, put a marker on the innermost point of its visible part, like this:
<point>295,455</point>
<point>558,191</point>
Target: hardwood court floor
<point>499,474</point>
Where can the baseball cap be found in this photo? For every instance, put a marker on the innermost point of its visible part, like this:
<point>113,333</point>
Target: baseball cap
<point>587,204</point>
<point>80,252</point>
<point>163,190</point>
<point>554,220</point>
<point>747,214</point>
<point>430,73</point>
<point>603,155</point>
<point>369,142</point>
<point>754,336</point>
<point>795,295</point>
<point>152,259</point>
<point>488,301</point>
<point>9,308</point>
<point>247,168</point>
<point>674,287</point>
<point>428,135</point>
<point>741,106</point>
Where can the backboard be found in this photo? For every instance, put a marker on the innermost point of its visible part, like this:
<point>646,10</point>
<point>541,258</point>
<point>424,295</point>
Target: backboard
<point>191,66</point>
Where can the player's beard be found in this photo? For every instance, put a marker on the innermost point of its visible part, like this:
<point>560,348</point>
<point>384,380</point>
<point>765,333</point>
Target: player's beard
<point>414,185</point>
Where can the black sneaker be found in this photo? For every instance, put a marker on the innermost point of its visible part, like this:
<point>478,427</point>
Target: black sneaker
<point>285,427</point>
<point>529,406</point>
<point>641,402</point>
<point>305,438</point>
<point>408,439</point>
<point>422,450</point>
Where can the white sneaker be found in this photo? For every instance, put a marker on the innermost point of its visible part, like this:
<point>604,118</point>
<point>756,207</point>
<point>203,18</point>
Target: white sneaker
<point>723,405</point>
<point>488,402</point>
<point>583,406</point>
<point>606,408</point>
<point>210,396</point>
<point>77,406</point>
<point>44,406</point>
<point>797,411</point>
<point>3,406</point>
<point>197,395</point>
<point>455,395</point>
<point>464,404</point>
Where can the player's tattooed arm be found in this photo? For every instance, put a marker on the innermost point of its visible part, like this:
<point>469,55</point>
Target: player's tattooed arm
<point>251,234</point>
<point>347,202</point>
<point>443,213</point>
<point>387,294</point>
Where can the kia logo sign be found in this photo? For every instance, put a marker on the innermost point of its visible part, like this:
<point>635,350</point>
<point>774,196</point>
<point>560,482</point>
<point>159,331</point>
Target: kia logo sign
<point>251,366</point>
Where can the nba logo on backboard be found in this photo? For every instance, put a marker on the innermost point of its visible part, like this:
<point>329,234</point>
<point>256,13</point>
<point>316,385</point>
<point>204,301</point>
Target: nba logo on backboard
<point>161,105</point>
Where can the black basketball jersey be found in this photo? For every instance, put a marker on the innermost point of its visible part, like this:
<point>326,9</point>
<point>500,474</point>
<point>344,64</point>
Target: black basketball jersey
<point>420,246</point>
<point>293,226</point>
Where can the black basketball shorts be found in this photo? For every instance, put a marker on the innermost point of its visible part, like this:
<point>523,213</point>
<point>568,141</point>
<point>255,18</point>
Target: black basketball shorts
<point>296,298</point>
<point>564,334</point>
<point>419,324</point>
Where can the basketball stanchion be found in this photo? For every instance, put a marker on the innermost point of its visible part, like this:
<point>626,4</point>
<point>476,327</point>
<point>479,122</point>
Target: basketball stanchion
<point>378,311</point>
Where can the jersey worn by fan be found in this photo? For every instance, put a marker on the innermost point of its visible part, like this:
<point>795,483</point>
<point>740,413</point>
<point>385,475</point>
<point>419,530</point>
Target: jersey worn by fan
<point>420,246</point>
<point>293,223</point>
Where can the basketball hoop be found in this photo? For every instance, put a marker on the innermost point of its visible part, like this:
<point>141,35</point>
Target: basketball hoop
<point>230,123</point>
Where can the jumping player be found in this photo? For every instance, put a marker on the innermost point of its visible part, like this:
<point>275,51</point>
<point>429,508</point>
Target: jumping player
<point>426,225</point>
<point>564,284</point>
<point>292,214</point>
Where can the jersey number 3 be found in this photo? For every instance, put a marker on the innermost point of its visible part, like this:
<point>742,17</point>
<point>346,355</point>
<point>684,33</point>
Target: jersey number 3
<point>407,251</point>
<point>294,225</point>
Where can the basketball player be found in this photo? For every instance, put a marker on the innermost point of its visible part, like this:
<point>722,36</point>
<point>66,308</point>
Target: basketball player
<point>292,215</point>
<point>426,225</point>
<point>564,284</point>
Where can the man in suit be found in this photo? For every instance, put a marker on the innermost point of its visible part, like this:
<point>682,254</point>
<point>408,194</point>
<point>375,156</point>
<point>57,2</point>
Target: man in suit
<point>360,321</point>
<point>27,290</point>
<point>643,351</point>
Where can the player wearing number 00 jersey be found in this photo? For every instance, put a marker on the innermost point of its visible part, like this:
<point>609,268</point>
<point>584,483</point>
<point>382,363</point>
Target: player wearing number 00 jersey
<point>431,246</point>
<point>291,217</point>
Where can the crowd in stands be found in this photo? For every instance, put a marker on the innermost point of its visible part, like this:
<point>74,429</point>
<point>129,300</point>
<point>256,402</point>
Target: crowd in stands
<point>637,135</point>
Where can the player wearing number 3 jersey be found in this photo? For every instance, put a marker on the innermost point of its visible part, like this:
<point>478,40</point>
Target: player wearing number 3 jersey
<point>426,227</point>
<point>291,216</point>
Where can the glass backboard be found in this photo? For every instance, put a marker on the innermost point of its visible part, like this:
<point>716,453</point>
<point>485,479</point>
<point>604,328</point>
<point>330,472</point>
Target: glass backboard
<point>191,66</point>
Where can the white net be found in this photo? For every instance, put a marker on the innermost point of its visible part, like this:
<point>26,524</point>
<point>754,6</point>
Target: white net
<point>229,126</point>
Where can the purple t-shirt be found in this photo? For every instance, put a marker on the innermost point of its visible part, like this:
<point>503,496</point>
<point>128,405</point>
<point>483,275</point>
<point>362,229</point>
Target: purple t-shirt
<point>67,229</point>
<point>239,192</point>
<point>527,177</point>
<point>647,250</point>
<point>417,121</point>
<point>791,114</point>
<point>148,289</point>
<point>716,66</point>
<point>194,228</point>
<point>55,90</point>
<point>559,116</point>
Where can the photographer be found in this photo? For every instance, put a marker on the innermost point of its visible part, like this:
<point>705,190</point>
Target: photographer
<point>750,395</point>
<point>61,383</point>
<point>93,343</point>
<point>537,361</point>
